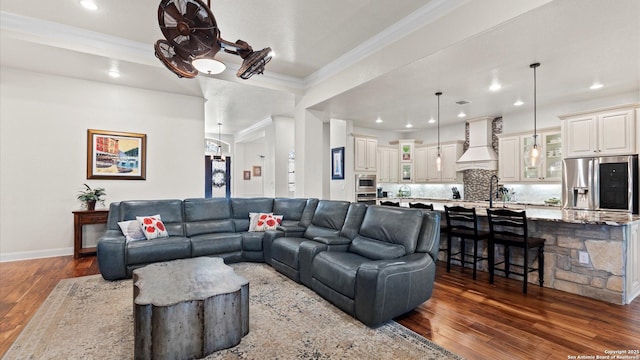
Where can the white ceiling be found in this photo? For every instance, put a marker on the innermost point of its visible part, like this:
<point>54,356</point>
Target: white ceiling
<point>577,42</point>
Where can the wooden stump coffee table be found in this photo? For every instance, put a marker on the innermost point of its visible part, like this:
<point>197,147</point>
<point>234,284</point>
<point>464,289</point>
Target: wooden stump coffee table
<point>188,308</point>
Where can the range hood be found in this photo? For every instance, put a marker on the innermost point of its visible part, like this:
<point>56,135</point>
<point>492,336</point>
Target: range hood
<point>480,154</point>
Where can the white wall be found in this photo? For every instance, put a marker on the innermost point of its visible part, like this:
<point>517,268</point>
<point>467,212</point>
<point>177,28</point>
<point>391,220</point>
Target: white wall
<point>247,156</point>
<point>284,143</point>
<point>43,143</point>
<point>338,138</point>
<point>274,140</point>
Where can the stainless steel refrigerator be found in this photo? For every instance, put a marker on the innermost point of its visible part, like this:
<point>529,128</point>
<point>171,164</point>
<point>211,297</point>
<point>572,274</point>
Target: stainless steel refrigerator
<point>601,183</point>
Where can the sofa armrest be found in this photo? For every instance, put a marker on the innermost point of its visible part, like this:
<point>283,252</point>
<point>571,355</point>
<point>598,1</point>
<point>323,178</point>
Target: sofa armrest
<point>332,240</point>
<point>310,248</point>
<point>111,254</point>
<point>292,230</point>
<point>379,283</point>
<point>267,241</point>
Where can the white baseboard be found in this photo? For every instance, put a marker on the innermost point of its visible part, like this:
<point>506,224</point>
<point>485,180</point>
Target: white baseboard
<point>27,255</point>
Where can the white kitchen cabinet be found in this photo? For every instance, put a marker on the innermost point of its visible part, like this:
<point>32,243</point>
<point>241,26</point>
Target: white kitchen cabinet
<point>421,163</point>
<point>426,169</point>
<point>509,158</point>
<point>513,149</point>
<point>450,154</point>
<point>632,285</point>
<point>550,168</point>
<point>366,150</point>
<point>388,164</point>
<point>606,132</point>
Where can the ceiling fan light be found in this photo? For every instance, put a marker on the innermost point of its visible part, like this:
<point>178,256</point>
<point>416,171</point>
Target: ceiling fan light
<point>208,66</point>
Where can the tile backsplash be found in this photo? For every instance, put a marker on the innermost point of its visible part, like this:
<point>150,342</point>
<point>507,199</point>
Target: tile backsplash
<point>427,191</point>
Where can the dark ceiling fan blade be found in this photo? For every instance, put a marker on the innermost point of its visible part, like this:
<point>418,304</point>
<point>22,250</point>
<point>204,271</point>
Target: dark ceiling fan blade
<point>171,33</point>
<point>173,61</point>
<point>254,63</point>
<point>192,12</point>
<point>203,39</point>
<point>173,12</point>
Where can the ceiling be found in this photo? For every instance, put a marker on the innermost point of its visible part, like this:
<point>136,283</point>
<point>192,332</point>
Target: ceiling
<point>577,42</point>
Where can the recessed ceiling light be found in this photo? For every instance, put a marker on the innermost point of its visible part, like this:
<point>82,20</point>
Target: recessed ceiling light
<point>432,120</point>
<point>89,5</point>
<point>114,73</point>
<point>408,126</point>
<point>461,114</point>
<point>495,86</point>
<point>596,86</point>
<point>518,103</point>
<point>378,120</point>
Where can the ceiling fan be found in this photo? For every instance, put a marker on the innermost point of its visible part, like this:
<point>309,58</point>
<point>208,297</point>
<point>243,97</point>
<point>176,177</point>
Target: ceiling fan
<point>193,39</point>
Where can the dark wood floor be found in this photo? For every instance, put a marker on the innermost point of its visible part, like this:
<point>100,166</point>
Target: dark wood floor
<point>472,318</point>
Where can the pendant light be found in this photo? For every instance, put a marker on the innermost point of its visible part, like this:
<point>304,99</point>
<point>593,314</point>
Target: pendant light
<point>439,158</point>
<point>219,156</point>
<point>532,157</point>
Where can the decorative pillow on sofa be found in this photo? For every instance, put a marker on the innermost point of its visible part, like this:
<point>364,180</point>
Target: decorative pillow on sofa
<point>253,220</point>
<point>152,227</point>
<point>132,230</point>
<point>268,222</point>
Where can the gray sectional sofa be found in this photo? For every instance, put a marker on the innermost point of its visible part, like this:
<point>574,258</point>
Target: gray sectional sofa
<point>373,262</point>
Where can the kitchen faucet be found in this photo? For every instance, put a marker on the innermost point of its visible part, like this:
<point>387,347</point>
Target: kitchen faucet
<point>491,194</point>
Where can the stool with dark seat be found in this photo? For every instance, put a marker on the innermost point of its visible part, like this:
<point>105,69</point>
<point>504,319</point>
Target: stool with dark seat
<point>509,229</point>
<point>421,206</point>
<point>390,203</point>
<point>462,223</point>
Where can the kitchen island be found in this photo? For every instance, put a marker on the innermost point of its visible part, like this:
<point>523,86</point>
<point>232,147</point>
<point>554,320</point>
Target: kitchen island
<point>590,253</point>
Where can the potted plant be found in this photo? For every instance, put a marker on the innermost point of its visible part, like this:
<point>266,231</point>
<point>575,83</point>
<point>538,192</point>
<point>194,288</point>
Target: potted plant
<point>90,196</point>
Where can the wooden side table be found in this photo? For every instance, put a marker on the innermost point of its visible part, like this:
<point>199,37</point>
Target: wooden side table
<point>85,217</point>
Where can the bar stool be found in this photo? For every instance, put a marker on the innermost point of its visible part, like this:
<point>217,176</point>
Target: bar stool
<point>390,203</point>
<point>509,229</point>
<point>462,223</point>
<point>421,206</point>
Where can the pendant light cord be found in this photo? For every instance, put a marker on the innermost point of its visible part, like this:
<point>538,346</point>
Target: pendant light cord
<point>219,141</point>
<point>535,101</point>
<point>438,95</point>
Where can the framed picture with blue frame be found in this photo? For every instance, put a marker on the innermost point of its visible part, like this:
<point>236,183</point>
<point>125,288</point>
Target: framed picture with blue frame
<point>337,163</point>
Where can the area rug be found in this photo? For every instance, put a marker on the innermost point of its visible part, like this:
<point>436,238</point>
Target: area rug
<point>90,318</point>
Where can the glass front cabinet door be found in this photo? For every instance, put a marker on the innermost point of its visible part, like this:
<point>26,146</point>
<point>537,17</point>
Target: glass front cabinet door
<point>550,168</point>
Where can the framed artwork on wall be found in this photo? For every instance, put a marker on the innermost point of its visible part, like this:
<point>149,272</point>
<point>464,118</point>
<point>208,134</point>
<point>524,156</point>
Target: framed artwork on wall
<point>257,171</point>
<point>246,175</point>
<point>337,163</point>
<point>114,155</point>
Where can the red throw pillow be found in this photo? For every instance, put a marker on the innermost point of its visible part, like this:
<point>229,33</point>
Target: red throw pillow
<point>152,227</point>
<point>268,222</point>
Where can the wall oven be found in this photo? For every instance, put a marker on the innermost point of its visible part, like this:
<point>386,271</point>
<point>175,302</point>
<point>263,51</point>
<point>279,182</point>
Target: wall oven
<point>365,183</point>
<point>366,198</point>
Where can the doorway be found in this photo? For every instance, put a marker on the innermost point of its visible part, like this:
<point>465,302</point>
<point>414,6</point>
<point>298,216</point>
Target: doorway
<point>217,181</point>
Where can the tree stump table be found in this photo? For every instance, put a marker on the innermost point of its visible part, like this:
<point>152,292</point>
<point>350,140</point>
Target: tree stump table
<point>188,308</point>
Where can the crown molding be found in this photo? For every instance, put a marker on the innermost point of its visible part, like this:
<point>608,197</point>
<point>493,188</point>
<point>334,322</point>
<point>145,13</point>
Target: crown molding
<point>91,42</point>
<point>423,16</point>
<point>247,134</point>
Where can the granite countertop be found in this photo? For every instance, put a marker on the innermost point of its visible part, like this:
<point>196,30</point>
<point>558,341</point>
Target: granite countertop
<point>536,211</point>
